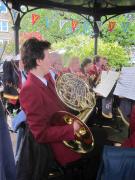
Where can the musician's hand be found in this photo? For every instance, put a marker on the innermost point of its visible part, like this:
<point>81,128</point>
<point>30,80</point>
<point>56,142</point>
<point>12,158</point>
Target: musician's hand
<point>117,144</point>
<point>76,126</point>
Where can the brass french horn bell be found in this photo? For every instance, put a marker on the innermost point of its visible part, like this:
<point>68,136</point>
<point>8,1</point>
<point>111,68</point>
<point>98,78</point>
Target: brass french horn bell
<point>74,92</point>
<point>84,141</point>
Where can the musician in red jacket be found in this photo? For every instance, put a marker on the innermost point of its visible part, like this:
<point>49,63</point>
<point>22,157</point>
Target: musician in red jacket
<point>74,66</point>
<point>39,101</point>
<point>130,142</point>
<point>56,63</point>
<point>95,69</point>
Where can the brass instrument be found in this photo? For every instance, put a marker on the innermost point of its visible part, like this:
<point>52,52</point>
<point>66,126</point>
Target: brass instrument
<point>74,92</point>
<point>126,122</point>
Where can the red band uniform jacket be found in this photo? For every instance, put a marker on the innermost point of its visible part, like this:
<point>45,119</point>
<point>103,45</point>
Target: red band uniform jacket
<point>40,103</point>
<point>130,142</point>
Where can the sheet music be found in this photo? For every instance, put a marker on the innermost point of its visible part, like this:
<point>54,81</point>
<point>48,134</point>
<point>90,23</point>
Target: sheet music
<point>108,79</point>
<point>126,84</point>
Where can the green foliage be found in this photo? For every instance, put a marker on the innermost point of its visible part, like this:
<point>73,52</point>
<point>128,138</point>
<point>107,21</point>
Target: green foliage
<point>10,48</point>
<point>54,34</point>
<point>79,43</point>
<point>83,46</point>
<point>125,37</point>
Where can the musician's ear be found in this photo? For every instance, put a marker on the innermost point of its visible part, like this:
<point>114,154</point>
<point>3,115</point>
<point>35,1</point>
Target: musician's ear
<point>39,62</point>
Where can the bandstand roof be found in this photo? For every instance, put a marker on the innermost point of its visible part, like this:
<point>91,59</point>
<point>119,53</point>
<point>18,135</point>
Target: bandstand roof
<point>89,7</point>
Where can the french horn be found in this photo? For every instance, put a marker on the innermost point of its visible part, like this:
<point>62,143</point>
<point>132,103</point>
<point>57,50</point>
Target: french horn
<point>75,93</point>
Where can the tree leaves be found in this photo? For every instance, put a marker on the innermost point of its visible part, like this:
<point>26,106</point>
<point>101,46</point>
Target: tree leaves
<point>83,46</point>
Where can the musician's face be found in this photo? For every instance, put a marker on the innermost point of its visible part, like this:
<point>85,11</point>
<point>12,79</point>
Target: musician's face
<point>88,67</point>
<point>104,62</point>
<point>99,63</point>
<point>75,65</point>
<point>56,62</point>
<point>58,65</point>
<point>44,64</point>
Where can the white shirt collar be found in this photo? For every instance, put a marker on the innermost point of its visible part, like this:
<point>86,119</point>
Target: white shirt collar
<point>23,78</point>
<point>52,74</point>
<point>43,80</point>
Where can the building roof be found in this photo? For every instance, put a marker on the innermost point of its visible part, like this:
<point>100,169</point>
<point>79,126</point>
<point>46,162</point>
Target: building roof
<point>89,7</point>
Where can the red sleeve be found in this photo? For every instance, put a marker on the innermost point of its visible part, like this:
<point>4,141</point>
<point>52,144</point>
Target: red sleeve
<point>37,120</point>
<point>130,142</point>
<point>132,121</point>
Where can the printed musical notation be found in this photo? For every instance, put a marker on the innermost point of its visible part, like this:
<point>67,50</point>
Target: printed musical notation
<point>126,84</point>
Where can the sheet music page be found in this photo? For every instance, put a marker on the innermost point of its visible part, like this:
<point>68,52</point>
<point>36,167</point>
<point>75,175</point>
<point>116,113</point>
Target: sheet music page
<point>126,84</point>
<point>108,79</point>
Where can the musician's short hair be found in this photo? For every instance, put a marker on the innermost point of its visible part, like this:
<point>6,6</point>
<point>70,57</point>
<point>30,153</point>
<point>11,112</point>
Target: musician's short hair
<point>86,61</point>
<point>96,59</point>
<point>32,50</point>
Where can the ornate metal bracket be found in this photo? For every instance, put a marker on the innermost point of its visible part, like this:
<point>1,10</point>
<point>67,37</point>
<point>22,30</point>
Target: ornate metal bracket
<point>23,9</point>
<point>16,25</point>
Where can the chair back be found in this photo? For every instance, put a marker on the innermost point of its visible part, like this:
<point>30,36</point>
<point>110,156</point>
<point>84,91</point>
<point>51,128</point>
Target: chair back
<point>117,163</point>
